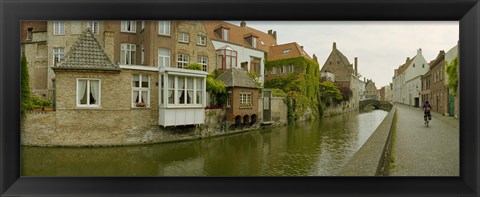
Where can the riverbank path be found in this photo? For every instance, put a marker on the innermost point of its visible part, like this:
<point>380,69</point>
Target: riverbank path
<point>425,151</point>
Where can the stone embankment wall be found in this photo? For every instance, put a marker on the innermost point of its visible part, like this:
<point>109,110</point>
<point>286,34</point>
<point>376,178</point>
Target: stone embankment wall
<point>44,129</point>
<point>340,108</point>
<point>373,157</point>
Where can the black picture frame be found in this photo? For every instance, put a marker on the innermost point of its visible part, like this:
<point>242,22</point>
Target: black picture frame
<point>465,11</point>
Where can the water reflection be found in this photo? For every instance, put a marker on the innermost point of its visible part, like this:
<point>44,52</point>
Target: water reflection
<point>318,148</point>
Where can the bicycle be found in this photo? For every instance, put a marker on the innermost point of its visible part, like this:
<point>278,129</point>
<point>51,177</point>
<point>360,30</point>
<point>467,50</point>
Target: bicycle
<point>427,118</point>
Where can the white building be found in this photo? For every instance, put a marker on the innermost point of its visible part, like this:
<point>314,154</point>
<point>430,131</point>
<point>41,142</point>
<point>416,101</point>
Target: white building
<point>406,81</point>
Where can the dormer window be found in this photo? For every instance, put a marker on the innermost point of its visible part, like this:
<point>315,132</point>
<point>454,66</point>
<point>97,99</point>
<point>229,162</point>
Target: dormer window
<point>286,51</point>
<point>222,32</point>
<point>251,40</point>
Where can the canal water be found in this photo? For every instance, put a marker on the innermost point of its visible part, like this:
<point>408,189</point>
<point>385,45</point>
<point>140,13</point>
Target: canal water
<point>318,148</point>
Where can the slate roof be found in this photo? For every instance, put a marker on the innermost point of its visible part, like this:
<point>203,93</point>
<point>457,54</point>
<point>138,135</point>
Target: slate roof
<point>87,54</point>
<point>237,77</point>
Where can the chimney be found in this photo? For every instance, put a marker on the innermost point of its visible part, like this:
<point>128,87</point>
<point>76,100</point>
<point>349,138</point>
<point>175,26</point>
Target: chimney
<point>419,51</point>
<point>243,24</point>
<point>408,59</point>
<point>364,80</point>
<point>356,66</point>
<point>275,34</point>
<point>315,58</point>
<point>269,32</point>
<point>109,44</point>
<point>334,46</point>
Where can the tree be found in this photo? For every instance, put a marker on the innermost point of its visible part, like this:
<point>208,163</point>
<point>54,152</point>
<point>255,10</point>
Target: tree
<point>452,71</point>
<point>330,90</point>
<point>25,103</point>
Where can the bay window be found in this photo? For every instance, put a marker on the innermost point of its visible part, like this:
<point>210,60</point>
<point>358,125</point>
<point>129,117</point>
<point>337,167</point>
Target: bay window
<point>182,90</point>
<point>88,93</point>
<point>226,58</point>
<point>141,90</point>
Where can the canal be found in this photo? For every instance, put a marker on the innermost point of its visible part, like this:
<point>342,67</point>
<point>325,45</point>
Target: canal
<point>318,148</point>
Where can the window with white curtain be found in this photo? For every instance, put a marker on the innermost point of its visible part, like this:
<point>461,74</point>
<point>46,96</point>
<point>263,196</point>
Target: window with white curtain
<point>88,93</point>
<point>199,90</point>
<point>128,26</point>
<point>163,57</point>
<point>127,54</point>
<point>59,28</point>
<point>181,90</point>
<point>141,90</point>
<point>164,28</point>
<point>171,89</point>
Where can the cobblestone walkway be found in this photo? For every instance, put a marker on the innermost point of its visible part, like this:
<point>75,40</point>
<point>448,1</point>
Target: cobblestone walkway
<point>425,151</point>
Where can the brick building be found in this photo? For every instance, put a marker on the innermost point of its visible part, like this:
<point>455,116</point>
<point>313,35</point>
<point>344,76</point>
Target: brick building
<point>242,101</point>
<point>371,91</point>
<point>435,90</point>
<point>282,52</point>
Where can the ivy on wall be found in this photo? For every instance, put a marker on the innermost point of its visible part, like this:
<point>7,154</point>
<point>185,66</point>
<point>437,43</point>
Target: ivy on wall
<point>301,87</point>
<point>452,71</point>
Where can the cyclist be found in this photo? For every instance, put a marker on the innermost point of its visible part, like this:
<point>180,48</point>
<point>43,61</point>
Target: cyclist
<point>426,111</point>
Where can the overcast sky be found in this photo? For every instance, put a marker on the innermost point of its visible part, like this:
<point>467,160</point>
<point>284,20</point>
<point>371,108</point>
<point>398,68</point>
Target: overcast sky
<point>380,46</point>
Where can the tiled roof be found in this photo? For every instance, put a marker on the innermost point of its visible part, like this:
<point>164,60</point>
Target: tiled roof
<point>237,77</point>
<point>404,66</point>
<point>86,54</point>
<point>277,52</point>
<point>237,35</point>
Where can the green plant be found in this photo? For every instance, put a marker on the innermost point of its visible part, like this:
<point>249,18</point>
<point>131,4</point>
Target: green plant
<point>40,102</point>
<point>217,89</point>
<point>301,88</point>
<point>452,71</point>
<point>194,67</point>
<point>26,103</point>
<point>278,93</point>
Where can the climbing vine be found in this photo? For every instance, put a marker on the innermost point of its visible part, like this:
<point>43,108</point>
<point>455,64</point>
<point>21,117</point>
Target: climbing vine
<point>301,87</point>
<point>26,103</point>
<point>452,71</point>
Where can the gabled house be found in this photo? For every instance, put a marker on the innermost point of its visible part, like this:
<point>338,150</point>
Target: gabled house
<point>436,91</point>
<point>346,74</point>
<point>282,52</point>
<point>407,80</point>
<point>240,46</point>
<point>242,100</point>
<point>371,91</point>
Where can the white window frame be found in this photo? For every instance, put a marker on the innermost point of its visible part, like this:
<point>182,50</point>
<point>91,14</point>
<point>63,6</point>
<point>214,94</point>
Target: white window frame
<point>143,25</point>
<point>203,60</point>
<point>246,98</point>
<point>94,27</point>
<point>182,60</point>
<point>254,42</point>
<point>201,40</point>
<point>163,58</point>
<point>128,26</point>
<point>88,105</point>
<point>164,28</point>
<point>274,70</point>
<point>127,54</point>
<point>58,28</point>
<point>141,89</point>
<point>225,33</point>
<point>197,90</point>
<point>58,54</point>
<point>183,37</point>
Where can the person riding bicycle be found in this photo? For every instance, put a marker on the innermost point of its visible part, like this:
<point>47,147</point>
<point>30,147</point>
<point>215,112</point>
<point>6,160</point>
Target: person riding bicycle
<point>426,111</point>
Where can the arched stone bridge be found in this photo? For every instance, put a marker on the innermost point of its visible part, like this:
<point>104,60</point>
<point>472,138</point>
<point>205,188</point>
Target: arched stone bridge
<point>385,105</point>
